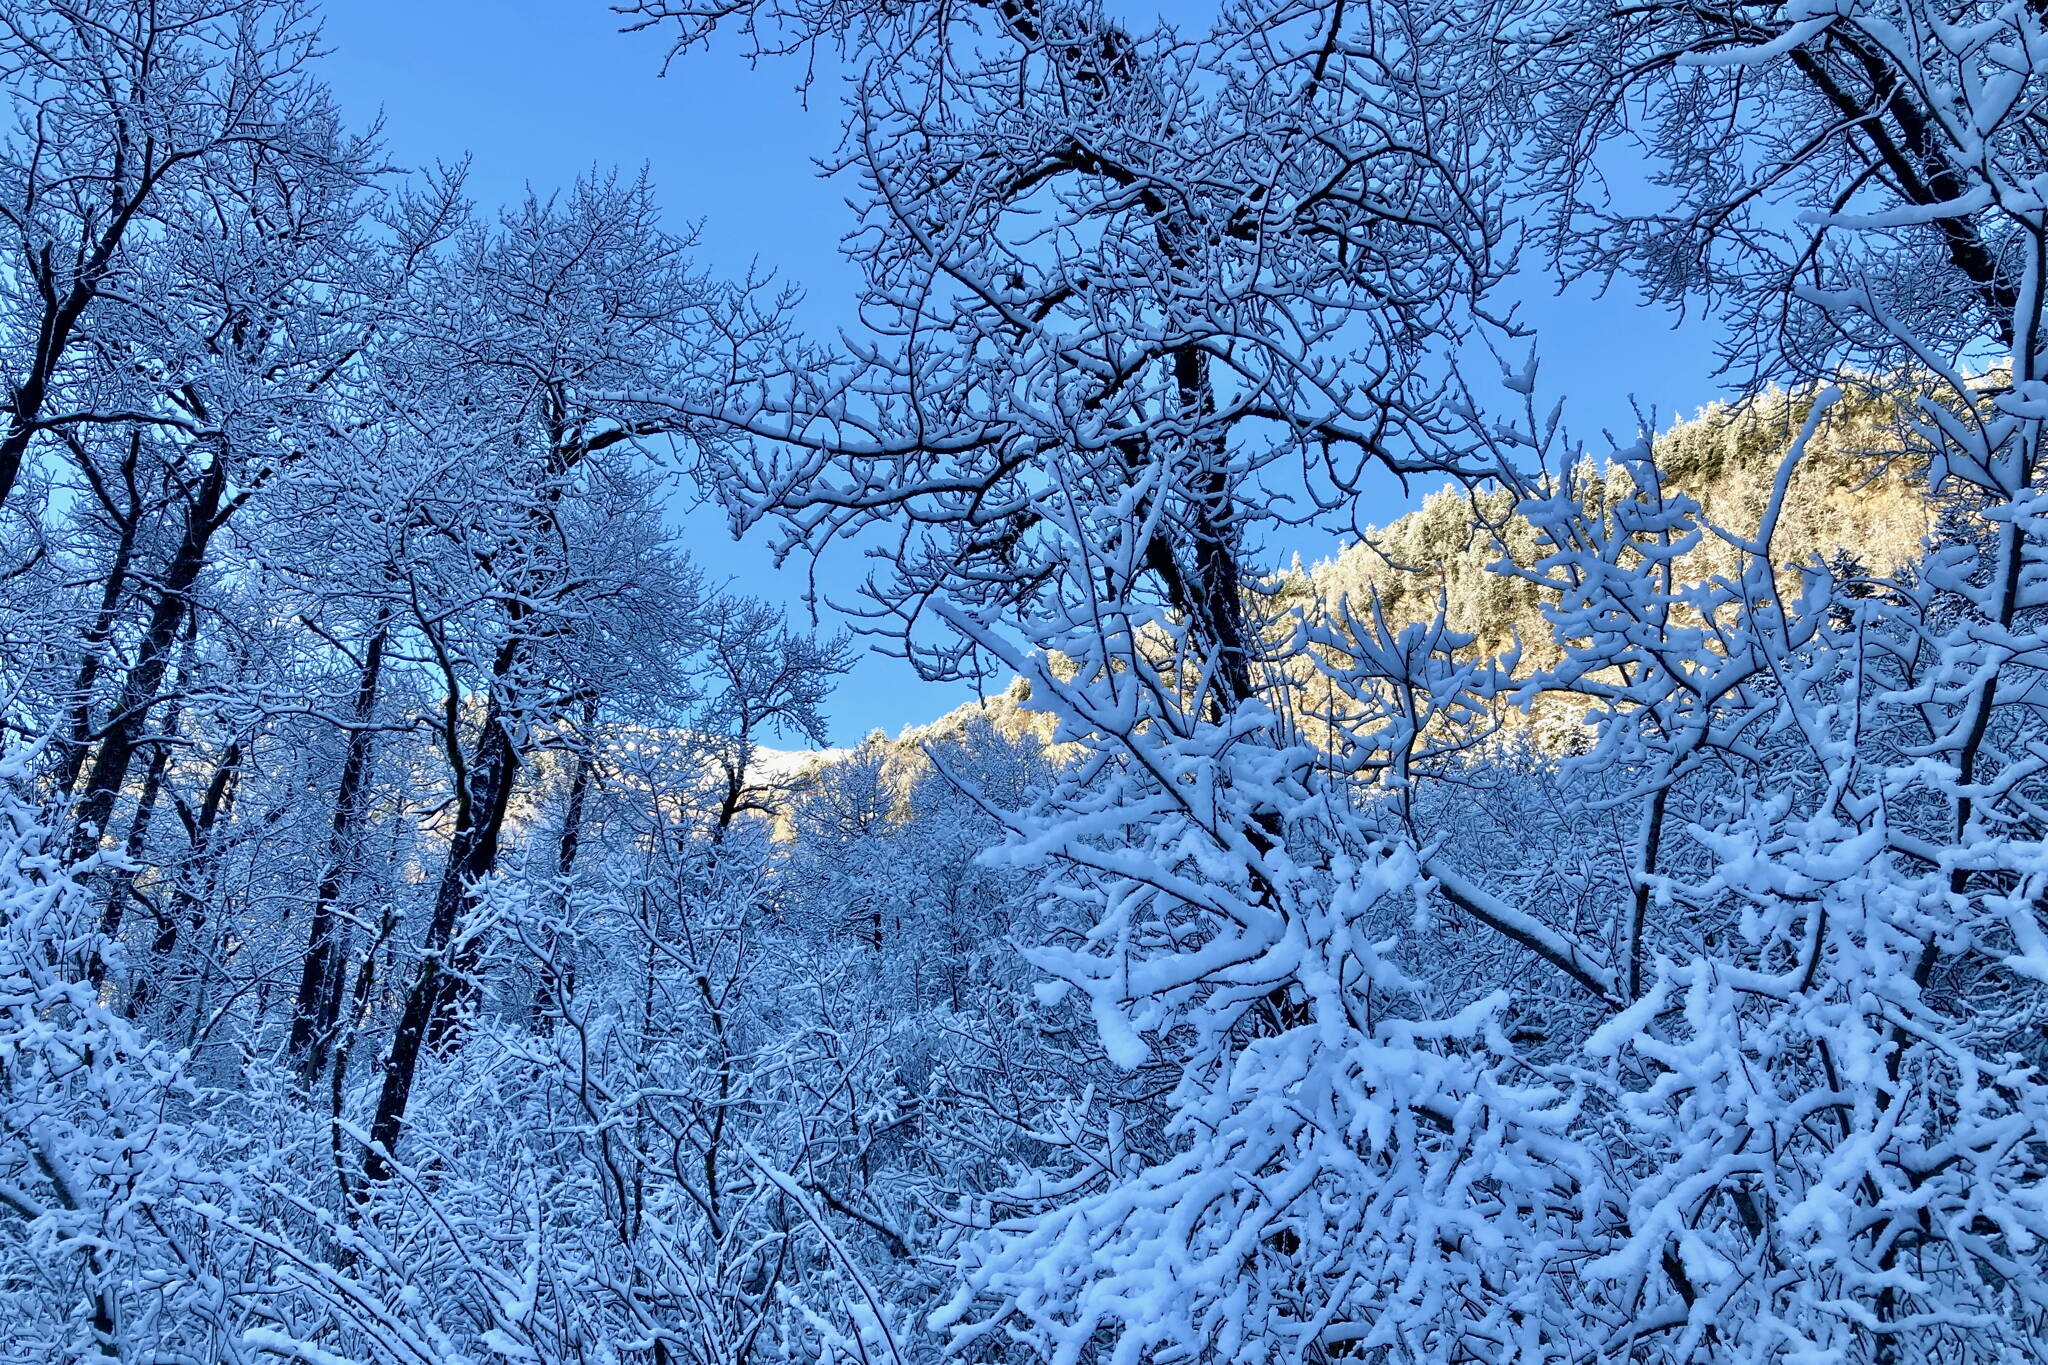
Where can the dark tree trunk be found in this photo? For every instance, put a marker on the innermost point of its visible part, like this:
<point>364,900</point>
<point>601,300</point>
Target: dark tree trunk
<point>145,678</point>
<point>71,757</point>
<point>483,789</point>
<point>120,883</point>
<point>579,792</point>
<point>64,306</point>
<point>318,1004</point>
<point>25,403</point>
<point>547,994</point>
<point>218,802</point>
<point>494,770</point>
<point>192,906</point>
<point>472,853</point>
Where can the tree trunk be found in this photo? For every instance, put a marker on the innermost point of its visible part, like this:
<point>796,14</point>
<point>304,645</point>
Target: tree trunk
<point>145,679</point>
<point>472,853</point>
<point>122,879</point>
<point>191,908</point>
<point>71,756</point>
<point>545,995</point>
<point>318,1004</point>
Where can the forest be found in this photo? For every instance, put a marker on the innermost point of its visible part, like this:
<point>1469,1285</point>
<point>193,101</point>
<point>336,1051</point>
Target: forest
<point>1596,915</point>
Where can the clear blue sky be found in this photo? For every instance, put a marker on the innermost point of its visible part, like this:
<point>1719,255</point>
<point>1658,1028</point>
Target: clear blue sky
<point>536,92</point>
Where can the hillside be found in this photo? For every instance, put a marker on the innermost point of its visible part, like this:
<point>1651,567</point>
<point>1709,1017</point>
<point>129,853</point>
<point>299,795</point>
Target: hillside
<point>1852,493</point>
<point>1855,500</point>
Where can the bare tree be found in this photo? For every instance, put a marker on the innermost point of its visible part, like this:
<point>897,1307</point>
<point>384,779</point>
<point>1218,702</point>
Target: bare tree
<point>118,106</point>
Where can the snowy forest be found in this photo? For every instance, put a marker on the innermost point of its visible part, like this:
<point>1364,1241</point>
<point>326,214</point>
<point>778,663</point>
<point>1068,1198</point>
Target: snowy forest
<point>1593,911</point>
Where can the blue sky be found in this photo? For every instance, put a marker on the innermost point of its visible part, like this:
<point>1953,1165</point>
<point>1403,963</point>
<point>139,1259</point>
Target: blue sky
<point>536,92</point>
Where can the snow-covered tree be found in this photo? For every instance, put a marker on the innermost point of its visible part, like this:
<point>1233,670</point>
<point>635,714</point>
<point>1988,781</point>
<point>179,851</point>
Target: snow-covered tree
<point>1607,927</point>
